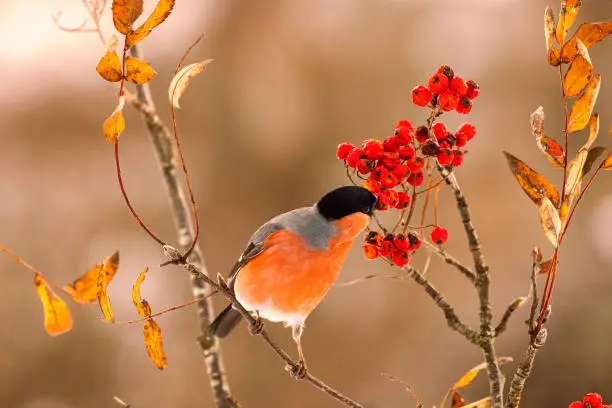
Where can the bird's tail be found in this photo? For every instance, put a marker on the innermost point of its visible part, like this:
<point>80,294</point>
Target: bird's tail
<point>225,322</point>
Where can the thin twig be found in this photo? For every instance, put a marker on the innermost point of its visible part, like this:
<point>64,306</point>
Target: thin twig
<point>162,142</point>
<point>449,259</point>
<point>406,386</point>
<point>512,307</point>
<point>453,321</point>
<point>121,403</point>
<point>523,371</point>
<point>535,270</point>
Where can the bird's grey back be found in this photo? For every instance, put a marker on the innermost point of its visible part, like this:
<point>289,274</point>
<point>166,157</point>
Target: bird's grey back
<point>306,221</point>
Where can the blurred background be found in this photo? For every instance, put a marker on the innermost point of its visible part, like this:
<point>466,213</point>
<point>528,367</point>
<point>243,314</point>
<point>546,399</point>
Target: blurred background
<point>290,81</point>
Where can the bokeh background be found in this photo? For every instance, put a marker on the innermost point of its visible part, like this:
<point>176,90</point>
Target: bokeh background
<point>290,81</point>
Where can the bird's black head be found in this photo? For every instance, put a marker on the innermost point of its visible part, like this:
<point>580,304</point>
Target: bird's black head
<point>345,201</point>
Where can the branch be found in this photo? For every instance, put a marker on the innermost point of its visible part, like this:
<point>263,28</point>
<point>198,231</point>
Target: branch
<point>453,321</point>
<point>176,258</point>
<point>449,259</point>
<point>523,371</point>
<point>164,148</point>
<point>512,307</point>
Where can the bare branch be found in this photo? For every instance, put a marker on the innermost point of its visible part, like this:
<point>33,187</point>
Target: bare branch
<point>512,307</point>
<point>523,371</point>
<point>162,142</point>
<point>449,259</point>
<point>535,269</point>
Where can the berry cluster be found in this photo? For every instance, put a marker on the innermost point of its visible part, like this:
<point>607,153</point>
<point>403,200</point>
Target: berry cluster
<point>446,90</point>
<point>393,168</point>
<point>590,401</point>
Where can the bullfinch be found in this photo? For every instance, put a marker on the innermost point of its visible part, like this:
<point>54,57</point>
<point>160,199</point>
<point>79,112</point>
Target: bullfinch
<point>292,260</point>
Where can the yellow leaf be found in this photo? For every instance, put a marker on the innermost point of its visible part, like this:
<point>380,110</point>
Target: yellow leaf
<point>533,184</point>
<point>153,342</point>
<point>125,12</point>
<point>84,290</point>
<point>583,107</point>
<point>579,72</point>
<point>575,168</point>
<point>550,220</point>
<point>103,298</point>
<point>58,319</point>
<point>142,306</point>
<point>114,125</point>
<point>468,377</point>
<point>161,12</point>
<point>567,15</point>
<point>483,403</point>
<point>138,72</point>
<point>109,67</point>
<point>589,34</point>
<point>181,80</point>
<point>608,163</point>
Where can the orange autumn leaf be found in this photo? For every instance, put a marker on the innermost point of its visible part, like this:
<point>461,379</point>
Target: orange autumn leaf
<point>550,221</point>
<point>547,266</point>
<point>608,163</point>
<point>583,107</point>
<point>161,12</point>
<point>153,342</point>
<point>181,80</point>
<point>102,295</point>
<point>109,67</point>
<point>533,184</point>
<point>469,376</point>
<point>58,319</point>
<point>553,150</point>
<point>84,290</point>
<point>114,125</point>
<point>457,401</point>
<point>589,34</point>
<point>125,12</point>
<point>567,15</point>
<point>142,306</point>
<point>138,72</point>
<point>575,168</point>
<point>579,72</point>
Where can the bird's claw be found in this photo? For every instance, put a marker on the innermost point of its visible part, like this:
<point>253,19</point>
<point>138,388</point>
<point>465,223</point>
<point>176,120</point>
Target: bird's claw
<point>256,326</point>
<point>298,370</point>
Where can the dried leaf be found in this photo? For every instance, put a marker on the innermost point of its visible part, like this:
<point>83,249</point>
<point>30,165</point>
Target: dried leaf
<point>550,220</point>
<point>181,80</point>
<point>468,377</point>
<point>103,298</point>
<point>84,290</point>
<point>109,67</point>
<point>575,168</point>
<point>547,266</point>
<point>608,163</point>
<point>589,34</point>
<point>457,401</point>
<point>153,342</point>
<point>111,43</point>
<point>483,403</point>
<point>592,156</point>
<point>161,12</point>
<point>142,306</point>
<point>549,27</point>
<point>583,107</point>
<point>579,72</point>
<point>114,125</point>
<point>533,184</point>
<point>125,12</point>
<point>138,72</point>
<point>553,150</point>
<point>567,15</point>
<point>58,319</point>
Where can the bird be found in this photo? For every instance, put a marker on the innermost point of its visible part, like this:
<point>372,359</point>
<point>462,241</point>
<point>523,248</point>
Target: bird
<point>293,259</point>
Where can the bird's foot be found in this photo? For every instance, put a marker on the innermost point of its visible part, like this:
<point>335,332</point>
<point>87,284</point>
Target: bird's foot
<point>298,370</point>
<point>257,326</point>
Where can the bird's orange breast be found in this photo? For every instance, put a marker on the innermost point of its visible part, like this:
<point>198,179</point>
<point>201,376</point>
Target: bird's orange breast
<point>289,279</point>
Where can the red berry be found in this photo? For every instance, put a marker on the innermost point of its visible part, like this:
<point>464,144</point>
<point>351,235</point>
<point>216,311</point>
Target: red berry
<point>458,85</point>
<point>592,400</point>
<point>403,200</point>
<point>353,157</point>
<point>379,172</point>
<point>400,241</point>
<point>416,178</point>
<point>382,203</point>
<point>421,96</point>
<point>439,130</point>
<point>460,139</point>
<point>416,164</point>
<point>446,70</point>
<point>387,247</point>
<point>404,123</point>
<point>415,243</point>
<point>448,100</point>
<point>439,235</point>
<point>370,251</point>
<point>468,130</point>
<point>364,166</point>
<point>374,238</point>
<point>421,134</point>
<point>401,258</point>
<point>464,105</point>
<point>371,185</point>
<point>404,134</point>
<point>391,144</point>
<point>390,160</point>
<point>473,90</point>
<point>430,148</point>
<point>576,404</point>
<point>401,171</point>
<point>406,153</point>
<point>457,158</point>
<point>445,157</point>
<point>389,180</point>
<point>438,83</point>
<point>392,198</point>
<point>373,149</point>
<point>343,150</point>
